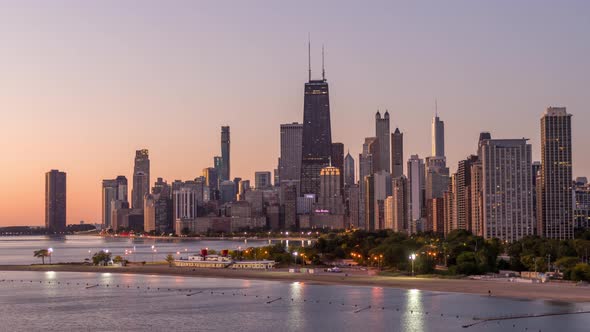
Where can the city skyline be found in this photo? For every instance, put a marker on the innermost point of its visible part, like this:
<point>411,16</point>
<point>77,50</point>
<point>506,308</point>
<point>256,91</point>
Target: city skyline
<point>88,157</point>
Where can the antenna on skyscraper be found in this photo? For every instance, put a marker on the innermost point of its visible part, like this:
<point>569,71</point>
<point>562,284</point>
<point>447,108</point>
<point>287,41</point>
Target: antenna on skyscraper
<point>309,55</point>
<point>435,107</point>
<point>323,70</point>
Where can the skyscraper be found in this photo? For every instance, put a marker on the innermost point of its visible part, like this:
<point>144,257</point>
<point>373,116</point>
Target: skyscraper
<point>555,210</point>
<point>141,178</point>
<point>463,193</point>
<point>349,178</point>
<point>366,161</point>
<point>291,145</point>
<point>55,201</point>
<point>330,198</point>
<point>262,180</point>
<point>352,196</point>
<point>317,134</point>
<point>337,160</point>
<point>438,137</point>
<point>397,153</point>
<point>582,204</point>
<point>416,194</point>
<point>399,193</point>
<point>227,191</point>
<point>476,188</point>
<point>122,188</point>
<point>382,133</point>
<point>109,194</point>
<point>437,177</point>
<point>225,154</point>
<point>507,189</point>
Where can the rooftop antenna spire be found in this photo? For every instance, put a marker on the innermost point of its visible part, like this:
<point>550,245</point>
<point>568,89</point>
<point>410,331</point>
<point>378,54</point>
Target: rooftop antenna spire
<point>309,55</point>
<point>323,68</point>
<point>435,107</point>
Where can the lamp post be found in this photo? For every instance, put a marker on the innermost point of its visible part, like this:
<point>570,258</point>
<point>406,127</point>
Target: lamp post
<point>295,254</point>
<point>50,251</point>
<point>412,258</point>
<point>153,250</point>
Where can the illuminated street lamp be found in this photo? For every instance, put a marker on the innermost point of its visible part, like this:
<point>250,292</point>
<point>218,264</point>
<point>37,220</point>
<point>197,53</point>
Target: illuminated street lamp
<point>295,254</point>
<point>412,258</point>
<point>50,251</point>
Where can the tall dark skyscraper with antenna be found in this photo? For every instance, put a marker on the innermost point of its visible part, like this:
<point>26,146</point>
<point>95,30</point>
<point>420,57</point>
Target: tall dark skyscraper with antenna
<point>317,134</point>
<point>225,163</point>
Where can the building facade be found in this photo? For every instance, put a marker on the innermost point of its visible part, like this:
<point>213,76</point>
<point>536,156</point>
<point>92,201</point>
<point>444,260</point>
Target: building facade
<point>507,189</point>
<point>416,194</point>
<point>225,154</point>
<point>291,148</point>
<point>141,178</point>
<point>555,209</point>
<point>317,135</point>
<point>382,133</point>
<point>55,201</point>
<point>397,153</point>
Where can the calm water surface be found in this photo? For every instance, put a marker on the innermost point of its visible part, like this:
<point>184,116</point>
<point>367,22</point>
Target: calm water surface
<point>75,248</point>
<point>34,304</point>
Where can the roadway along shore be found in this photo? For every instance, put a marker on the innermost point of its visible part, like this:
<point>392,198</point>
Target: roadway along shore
<point>500,288</point>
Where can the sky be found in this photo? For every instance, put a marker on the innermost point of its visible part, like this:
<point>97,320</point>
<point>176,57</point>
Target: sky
<point>83,84</point>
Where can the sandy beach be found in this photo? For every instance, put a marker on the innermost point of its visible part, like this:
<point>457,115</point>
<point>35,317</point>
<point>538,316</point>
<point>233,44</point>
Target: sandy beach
<point>500,288</point>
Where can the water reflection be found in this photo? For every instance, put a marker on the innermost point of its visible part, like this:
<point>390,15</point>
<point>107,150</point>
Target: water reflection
<point>295,314</point>
<point>412,319</point>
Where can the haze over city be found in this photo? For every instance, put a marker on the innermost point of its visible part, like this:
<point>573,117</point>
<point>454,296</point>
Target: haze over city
<point>85,85</point>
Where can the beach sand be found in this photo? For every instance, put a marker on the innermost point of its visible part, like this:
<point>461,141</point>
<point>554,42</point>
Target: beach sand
<point>499,288</point>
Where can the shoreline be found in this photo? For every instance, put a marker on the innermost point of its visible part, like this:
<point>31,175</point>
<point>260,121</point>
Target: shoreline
<point>500,288</point>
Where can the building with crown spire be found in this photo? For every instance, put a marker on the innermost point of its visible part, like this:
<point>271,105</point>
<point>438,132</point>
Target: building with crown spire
<point>382,133</point>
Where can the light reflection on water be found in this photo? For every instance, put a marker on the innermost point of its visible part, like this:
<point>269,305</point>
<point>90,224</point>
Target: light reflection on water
<point>221,306</point>
<point>412,319</point>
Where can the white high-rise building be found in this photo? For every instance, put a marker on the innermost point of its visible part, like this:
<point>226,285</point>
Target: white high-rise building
<point>507,189</point>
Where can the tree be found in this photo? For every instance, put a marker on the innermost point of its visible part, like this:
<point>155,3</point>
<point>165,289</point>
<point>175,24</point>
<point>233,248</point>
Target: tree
<point>41,253</point>
<point>581,272</point>
<point>566,264</point>
<point>118,259</point>
<point>466,263</point>
<point>185,231</point>
<point>170,260</point>
<point>101,258</point>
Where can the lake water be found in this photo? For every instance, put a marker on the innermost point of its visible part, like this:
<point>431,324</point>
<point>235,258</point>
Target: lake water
<point>34,301</point>
<point>75,248</point>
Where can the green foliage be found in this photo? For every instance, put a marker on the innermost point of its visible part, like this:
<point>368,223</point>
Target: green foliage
<point>41,253</point>
<point>580,272</point>
<point>170,260</point>
<point>101,258</point>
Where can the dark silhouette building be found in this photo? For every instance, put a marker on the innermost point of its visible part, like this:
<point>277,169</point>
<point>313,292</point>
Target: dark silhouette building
<point>55,201</point>
<point>141,178</point>
<point>317,134</point>
<point>225,156</point>
<point>397,153</point>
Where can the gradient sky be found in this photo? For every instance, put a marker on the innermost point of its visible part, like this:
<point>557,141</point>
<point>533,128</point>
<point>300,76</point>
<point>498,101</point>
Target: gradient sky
<point>83,84</point>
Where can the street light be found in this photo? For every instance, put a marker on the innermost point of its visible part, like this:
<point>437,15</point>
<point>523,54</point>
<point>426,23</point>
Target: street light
<point>412,258</point>
<point>295,254</point>
<point>50,251</point>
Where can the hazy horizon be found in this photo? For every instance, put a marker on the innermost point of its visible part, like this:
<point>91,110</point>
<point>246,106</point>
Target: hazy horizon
<point>85,84</point>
